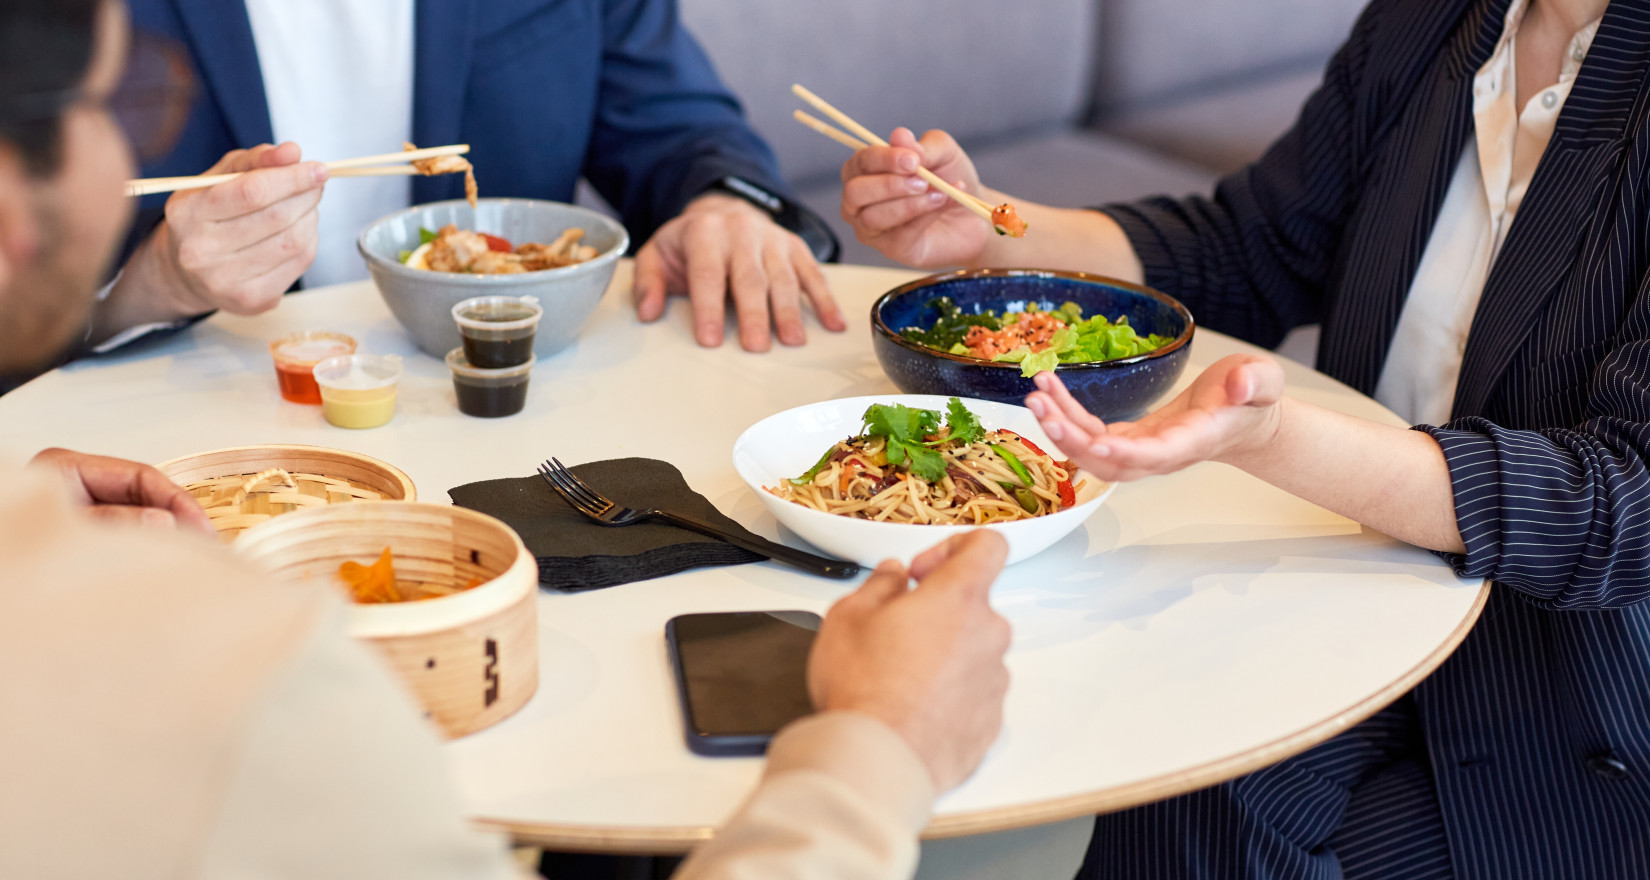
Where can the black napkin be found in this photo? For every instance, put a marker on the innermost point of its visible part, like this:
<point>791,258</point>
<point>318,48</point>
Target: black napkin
<point>575,553</point>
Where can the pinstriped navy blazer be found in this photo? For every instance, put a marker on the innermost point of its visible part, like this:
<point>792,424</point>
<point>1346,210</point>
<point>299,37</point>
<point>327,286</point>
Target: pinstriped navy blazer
<point>1538,728</point>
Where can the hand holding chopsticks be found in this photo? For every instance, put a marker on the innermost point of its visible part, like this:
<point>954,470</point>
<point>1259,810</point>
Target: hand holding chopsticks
<point>387,164</point>
<point>1002,217</point>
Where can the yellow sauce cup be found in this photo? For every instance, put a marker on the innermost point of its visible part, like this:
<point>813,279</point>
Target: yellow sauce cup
<point>358,390</point>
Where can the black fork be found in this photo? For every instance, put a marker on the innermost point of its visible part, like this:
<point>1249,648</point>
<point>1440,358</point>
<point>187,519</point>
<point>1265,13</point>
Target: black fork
<point>604,510</point>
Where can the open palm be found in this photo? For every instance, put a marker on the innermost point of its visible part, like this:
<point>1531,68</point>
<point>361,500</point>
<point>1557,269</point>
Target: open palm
<point>1230,409</point>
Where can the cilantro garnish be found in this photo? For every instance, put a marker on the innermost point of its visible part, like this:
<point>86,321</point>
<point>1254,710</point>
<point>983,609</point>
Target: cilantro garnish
<point>906,432</point>
<point>965,426</point>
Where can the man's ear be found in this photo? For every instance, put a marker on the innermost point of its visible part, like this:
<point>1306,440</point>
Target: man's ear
<point>19,230</point>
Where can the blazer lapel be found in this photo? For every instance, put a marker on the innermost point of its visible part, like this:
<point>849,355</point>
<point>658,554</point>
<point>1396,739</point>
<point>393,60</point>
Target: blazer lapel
<point>220,35</point>
<point>446,35</point>
<point>1385,246</point>
<point>1546,236</point>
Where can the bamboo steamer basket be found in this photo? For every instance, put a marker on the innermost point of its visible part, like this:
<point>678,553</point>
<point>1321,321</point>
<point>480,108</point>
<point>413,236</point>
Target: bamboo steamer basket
<point>359,471</point>
<point>471,658</point>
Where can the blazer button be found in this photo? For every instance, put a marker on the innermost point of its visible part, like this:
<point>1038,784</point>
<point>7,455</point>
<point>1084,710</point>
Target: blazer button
<point>1608,766</point>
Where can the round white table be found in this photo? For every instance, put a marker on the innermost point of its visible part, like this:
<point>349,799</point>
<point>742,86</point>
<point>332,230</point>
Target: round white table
<point>1202,625</point>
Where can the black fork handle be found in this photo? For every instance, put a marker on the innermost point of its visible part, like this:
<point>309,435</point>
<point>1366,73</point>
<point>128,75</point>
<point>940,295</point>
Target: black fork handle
<point>820,565</point>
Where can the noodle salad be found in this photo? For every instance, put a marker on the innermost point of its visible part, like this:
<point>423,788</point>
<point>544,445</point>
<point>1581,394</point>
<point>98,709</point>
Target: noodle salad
<point>905,466</point>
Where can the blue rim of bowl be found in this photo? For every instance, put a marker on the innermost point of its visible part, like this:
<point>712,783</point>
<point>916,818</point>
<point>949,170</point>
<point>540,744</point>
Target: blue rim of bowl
<point>881,326</point>
<point>607,256</point>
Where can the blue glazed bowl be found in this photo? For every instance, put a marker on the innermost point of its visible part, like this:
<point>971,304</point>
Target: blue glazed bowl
<point>1117,390</point>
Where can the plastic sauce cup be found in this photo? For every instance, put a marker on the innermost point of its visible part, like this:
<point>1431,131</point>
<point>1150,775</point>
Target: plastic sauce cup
<point>358,390</point>
<point>295,359</point>
<point>489,394</point>
<point>498,330</point>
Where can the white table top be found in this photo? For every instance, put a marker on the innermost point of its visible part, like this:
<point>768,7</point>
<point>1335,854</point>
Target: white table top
<point>1201,625</point>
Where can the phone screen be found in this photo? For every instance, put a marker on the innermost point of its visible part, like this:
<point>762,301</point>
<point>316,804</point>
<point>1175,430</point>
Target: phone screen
<point>742,676</point>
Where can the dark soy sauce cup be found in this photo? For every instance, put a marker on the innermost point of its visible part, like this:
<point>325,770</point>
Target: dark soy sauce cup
<point>489,393</point>
<point>498,330</point>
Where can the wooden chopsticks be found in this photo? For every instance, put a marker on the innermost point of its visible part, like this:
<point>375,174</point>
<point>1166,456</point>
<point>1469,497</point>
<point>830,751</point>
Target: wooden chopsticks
<point>867,137</point>
<point>384,165</point>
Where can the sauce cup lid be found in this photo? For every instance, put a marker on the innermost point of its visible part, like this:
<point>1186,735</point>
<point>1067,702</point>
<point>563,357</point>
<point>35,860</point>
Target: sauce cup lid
<point>311,347</point>
<point>359,372</point>
<point>463,313</point>
<point>461,367</point>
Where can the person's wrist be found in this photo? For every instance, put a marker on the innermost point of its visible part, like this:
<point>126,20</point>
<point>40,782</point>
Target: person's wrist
<point>167,293</point>
<point>907,728</point>
<point>722,202</point>
<point>1254,448</point>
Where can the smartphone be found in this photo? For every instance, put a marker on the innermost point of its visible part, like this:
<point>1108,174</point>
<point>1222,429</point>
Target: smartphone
<point>741,676</point>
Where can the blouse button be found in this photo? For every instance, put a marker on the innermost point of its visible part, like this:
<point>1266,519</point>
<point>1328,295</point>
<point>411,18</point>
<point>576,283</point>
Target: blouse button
<point>1577,54</point>
<point>1608,766</point>
<point>1548,100</point>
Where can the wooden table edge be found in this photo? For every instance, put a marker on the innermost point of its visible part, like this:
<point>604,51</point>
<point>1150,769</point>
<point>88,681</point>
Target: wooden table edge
<point>678,840</point>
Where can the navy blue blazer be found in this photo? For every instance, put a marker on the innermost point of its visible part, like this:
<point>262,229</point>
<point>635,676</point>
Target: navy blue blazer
<point>1538,728</point>
<point>544,91</point>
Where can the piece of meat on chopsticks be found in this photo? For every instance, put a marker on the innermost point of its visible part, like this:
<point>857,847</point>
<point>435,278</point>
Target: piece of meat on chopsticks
<point>1008,221</point>
<point>447,165</point>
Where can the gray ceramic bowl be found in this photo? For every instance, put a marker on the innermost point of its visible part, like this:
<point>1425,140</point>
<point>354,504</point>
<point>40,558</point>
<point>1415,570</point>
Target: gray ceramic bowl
<point>423,301</point>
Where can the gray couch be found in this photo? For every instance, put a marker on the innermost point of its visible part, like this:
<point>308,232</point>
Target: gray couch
<point>1072,102</point>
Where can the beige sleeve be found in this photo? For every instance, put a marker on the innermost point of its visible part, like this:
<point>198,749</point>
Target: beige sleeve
<point>338,777</point>
<point>843,796</point>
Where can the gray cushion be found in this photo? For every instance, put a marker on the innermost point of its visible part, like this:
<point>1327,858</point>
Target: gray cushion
<point>1223,129</point>
<point>1168,48</point>
<point>973,67</point>
<point>1066,168</point>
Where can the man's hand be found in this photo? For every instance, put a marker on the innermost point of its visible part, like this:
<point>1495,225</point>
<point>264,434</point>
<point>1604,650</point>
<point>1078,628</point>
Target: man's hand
<point>722,247</point>
<point>237,246</point>
<point>927,662</point>
<point>1233,409</point>
<point>899,214</point>
<point>117,489</point>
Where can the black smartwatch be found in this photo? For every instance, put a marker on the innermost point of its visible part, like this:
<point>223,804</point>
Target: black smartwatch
<point>787,214</point>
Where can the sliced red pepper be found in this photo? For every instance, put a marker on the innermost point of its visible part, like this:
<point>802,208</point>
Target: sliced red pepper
<point>1068,495</point>
<point>502,245</point>
<point>1029,445</point>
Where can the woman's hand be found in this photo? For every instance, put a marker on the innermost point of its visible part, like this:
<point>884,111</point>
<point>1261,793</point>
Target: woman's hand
<point>899,214</point>
<point>1232,410</point>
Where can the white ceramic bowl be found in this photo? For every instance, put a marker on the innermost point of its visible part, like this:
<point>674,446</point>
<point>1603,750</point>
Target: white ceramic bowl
<point>785,445</point>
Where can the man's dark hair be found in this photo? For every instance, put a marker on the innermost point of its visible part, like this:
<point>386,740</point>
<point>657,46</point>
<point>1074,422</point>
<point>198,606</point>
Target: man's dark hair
<point>45,51</point>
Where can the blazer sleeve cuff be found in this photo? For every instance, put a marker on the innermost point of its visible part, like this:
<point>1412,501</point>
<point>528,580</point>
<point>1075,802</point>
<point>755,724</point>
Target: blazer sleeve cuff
<point>1151,246</point>
<point>1475,480</point>
<point>862,753</point>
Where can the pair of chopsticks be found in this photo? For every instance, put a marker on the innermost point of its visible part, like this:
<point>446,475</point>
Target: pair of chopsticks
<point>385,165</point>
<point>867,138</point>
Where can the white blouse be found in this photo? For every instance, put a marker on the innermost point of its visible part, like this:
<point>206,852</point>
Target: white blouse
<point>1423,365</point>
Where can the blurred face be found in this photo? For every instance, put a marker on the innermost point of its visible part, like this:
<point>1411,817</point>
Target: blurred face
<point>58,234</point>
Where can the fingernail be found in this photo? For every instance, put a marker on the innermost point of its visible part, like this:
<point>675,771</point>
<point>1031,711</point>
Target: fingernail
<point>917,185</point>
<point>1100,449</point>
<point>1054,431</point>
<point>155,518</point>
<point>935,198</point>
<point>1036,406</point>
<point>320,172</point>
<point>908,163</point>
